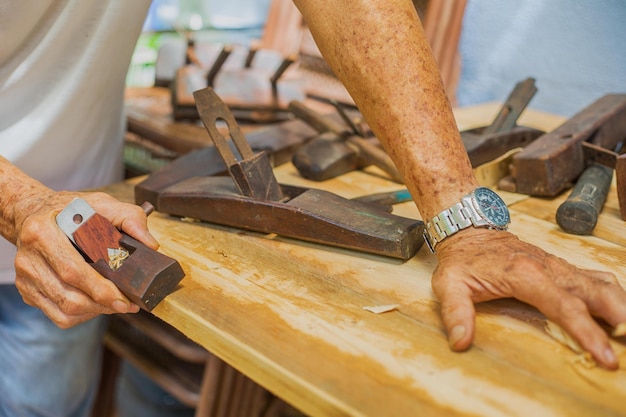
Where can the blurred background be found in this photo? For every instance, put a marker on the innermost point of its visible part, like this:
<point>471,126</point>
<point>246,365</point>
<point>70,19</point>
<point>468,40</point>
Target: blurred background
<point>573,49</point>
<point>212,21</point>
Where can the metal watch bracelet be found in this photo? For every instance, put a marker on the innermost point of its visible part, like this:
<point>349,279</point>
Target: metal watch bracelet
<point>448,222</point>
<point>468,212</point>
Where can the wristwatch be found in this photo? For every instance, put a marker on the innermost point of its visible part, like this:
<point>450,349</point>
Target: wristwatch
<point>480,208</point>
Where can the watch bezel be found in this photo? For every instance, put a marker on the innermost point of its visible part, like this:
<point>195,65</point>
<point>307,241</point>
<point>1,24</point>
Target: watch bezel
<point>466,213</point>
<point>490,221</point>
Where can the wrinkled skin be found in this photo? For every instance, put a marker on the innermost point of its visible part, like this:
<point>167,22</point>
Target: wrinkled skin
<point>380,52</point>
<point>499,265</point>
<point>50,272</point>
<point>378,49</point>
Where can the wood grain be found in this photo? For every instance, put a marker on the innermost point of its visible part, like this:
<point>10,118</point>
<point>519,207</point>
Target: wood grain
<point>290,315</point>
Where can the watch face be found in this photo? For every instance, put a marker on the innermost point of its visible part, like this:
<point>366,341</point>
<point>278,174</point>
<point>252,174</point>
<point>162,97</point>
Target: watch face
<point>492,207</point>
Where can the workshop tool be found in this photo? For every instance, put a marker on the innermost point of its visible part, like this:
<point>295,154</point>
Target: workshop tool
<point>251,198</point>
<point>386,200</point>
<point>579,213</point>
<point>483,144</point>
<point>142,274</point>
<point>279,141</point>
<point>486,143</point>
<point>338,149</point>
<point>554,161</point>
<point>253,94</point>
<point>253,173</point>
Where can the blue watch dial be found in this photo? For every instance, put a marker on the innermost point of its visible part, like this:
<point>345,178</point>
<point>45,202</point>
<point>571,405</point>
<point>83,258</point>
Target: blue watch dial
<point>492,207</point>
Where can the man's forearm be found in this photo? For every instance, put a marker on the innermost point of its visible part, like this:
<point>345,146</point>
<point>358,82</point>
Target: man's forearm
<point>16,187</point>
<point>378,50</point>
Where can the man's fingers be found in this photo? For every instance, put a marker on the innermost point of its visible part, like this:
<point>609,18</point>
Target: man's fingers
<point>35,298</point>
<point>76,273</point>
<point>572,314</point>
<point>604,296</point>
<point>577,321</point>
<point>457,312</point>
<point>67,281</point>
<point>129,218</point>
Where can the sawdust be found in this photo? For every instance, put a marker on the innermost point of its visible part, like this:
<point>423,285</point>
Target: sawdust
<point>583,363</point>
<point>620,330</point>
<point>563,337</point>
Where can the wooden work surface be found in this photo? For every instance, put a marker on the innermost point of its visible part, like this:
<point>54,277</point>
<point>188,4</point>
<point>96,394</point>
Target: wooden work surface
<point>290,315</point>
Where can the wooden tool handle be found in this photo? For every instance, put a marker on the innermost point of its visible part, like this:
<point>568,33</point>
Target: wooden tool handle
<point>218,64</point>
<point>286,63</point>
<point>513,107</point>
<point>317,121</point>
<point>579,213</point>
<point>374,155</point>
<point>253,173</point>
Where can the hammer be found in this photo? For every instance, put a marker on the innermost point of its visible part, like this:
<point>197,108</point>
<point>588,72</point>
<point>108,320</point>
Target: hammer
<point>578,214</point>
<point>338,149</point>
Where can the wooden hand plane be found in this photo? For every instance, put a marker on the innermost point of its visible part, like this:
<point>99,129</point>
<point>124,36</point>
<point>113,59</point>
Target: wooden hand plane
<point>338,149</point>
<point>252,93</point>
<point>144,275</point>
<point>484,144</point>
<point>552,162</point>
<point>251,198</point>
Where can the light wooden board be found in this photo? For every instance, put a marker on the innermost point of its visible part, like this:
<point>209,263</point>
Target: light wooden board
<point>290,315</point>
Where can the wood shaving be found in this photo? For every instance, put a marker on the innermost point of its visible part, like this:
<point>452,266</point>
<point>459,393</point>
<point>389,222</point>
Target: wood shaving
<point>561,336</point>
<point>583,363</point>
<point>117,256</point>
<point>189,220</point>
<point>585,360</point>
<point>620,330</point>
<point>382,308</point>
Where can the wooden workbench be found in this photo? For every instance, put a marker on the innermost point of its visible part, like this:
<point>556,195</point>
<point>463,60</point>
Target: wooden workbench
<point>290,315</point>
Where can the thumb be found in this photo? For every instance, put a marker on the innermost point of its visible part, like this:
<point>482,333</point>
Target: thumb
<point>457,311</point>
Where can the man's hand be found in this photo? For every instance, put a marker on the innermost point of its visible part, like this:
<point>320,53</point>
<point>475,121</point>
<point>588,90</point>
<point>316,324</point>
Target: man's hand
<point>52,275</point>
<point>498,265</point>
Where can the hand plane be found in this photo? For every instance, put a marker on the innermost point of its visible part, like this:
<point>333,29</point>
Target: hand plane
<point>144,275</point>
<point>337,149</point>
<point>552,162</point>
<point>486,143</point>
<point>251,198</point>
<point>253,93</point>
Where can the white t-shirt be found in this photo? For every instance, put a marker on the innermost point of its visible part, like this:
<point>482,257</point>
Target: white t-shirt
<point>63,65</point>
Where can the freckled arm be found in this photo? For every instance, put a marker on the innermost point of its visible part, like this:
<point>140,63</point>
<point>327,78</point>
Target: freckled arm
<point>378,49</point>
<point>16,186</point>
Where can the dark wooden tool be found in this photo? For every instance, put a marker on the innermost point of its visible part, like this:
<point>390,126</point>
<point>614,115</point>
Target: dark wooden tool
<point>252,172</point>
<point>144,275</point>
<point>338,149</point>
<point>579,213</point>
<point>252,94</point>
<point>341,149</point>
<point>614,159</point>
<point>486,143</point>
<point>279,141</point>
<point>251,198</point>
<point>555,160</point>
